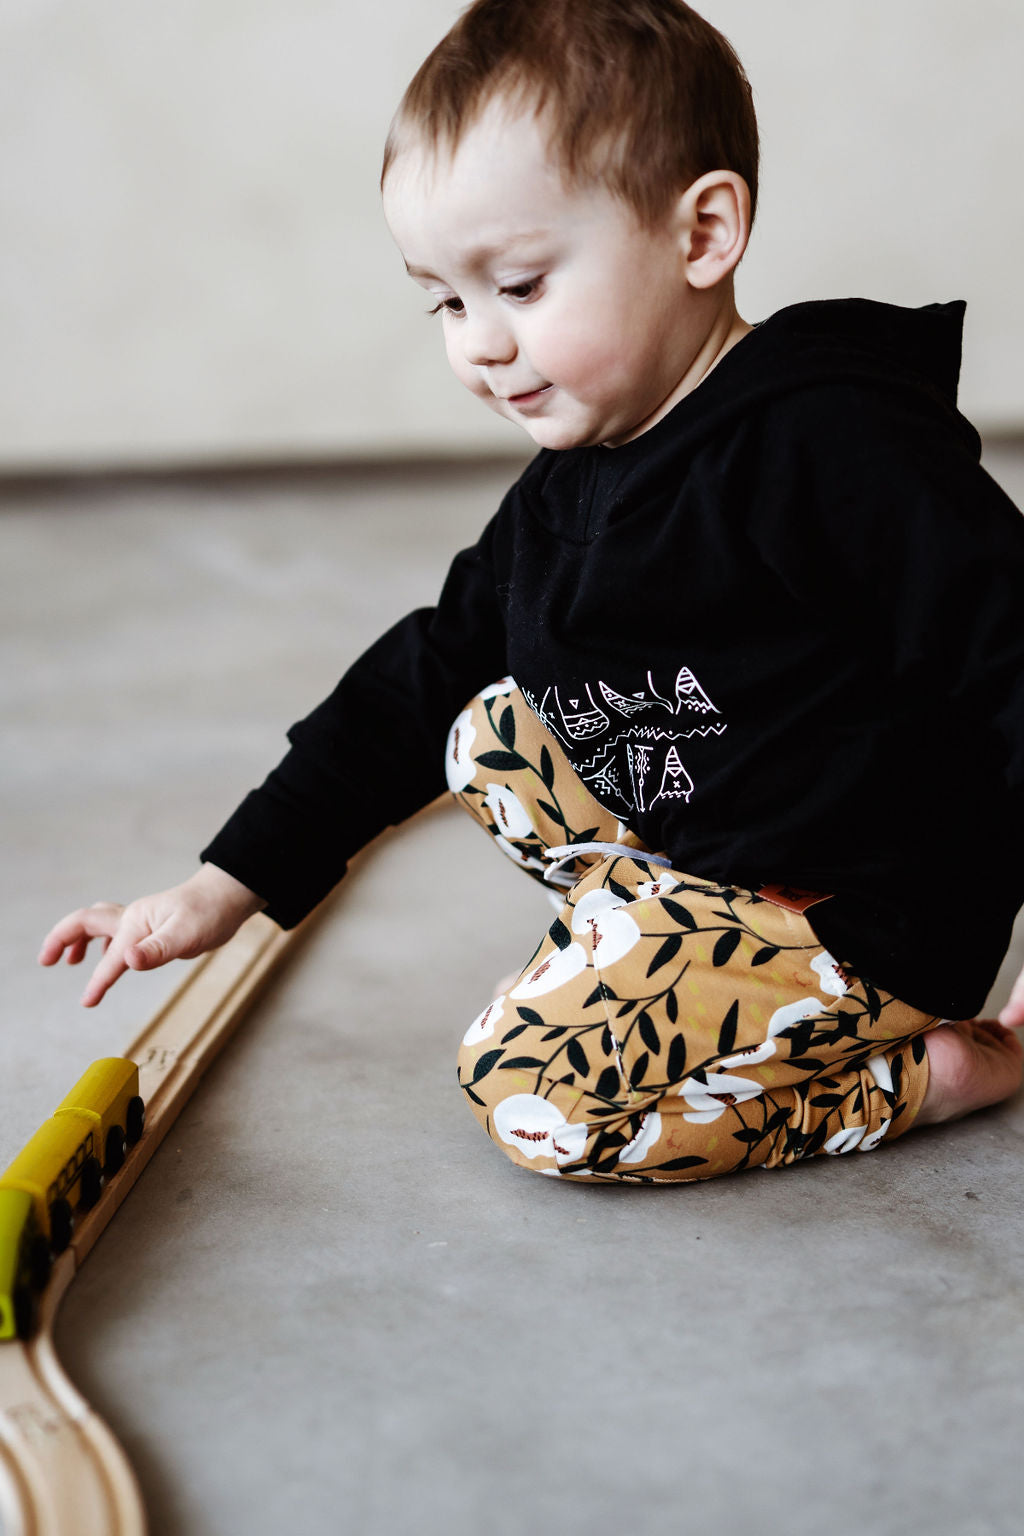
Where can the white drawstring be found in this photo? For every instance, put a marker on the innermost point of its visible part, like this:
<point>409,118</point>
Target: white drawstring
<point>566,851</point>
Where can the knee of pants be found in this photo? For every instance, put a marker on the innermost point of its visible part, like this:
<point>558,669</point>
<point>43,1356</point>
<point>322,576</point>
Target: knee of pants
<point>532,1130</point>
<point>473,730</point>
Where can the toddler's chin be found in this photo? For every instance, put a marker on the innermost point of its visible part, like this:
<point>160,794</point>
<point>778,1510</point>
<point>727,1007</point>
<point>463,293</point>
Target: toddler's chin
<point>555,434</point>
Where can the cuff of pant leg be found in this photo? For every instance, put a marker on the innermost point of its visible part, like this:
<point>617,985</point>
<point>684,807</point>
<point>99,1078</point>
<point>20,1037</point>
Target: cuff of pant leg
<point>915,1085</point>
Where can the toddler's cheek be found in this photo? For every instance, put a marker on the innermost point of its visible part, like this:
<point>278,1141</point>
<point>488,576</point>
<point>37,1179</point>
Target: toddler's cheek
<point>471,379</point>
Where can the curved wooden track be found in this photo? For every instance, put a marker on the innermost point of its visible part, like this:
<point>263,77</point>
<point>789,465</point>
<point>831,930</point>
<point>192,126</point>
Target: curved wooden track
<point>62,1473</point>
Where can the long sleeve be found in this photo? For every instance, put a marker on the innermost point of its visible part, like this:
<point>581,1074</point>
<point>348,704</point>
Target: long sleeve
<point>373,752</point>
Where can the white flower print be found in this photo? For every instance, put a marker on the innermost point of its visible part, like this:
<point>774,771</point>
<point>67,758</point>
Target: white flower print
<point>458,762</point>
<point>648,889</point>
<point>538,1128</point>
<point>750,1056</point>
<point>852,1139</point>
<point>552,972</point>
<point>612,931</point>
<point>508,812</point>
<point>782,1018</point>
<point>636,1150</point>
<point>496,690</point>
<point>831,976</point>
<point>793,1013</point>
<point>709,1100</point>
<point>881,1072</point>
<point>482,1026</point>
<point>846,1140</point>
<point>871,1142</point>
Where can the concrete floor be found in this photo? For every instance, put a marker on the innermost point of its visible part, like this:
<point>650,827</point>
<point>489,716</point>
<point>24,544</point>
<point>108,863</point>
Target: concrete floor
<point>330,1306</point>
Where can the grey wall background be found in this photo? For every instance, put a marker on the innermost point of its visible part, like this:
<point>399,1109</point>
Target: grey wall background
<point>193,266</point>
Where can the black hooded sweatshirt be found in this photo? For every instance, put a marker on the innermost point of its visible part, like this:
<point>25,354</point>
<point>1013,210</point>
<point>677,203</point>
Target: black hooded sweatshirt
<point>780,635</point>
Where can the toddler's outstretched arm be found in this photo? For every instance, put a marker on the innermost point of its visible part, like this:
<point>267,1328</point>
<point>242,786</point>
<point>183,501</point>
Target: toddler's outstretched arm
<point>177,924</point>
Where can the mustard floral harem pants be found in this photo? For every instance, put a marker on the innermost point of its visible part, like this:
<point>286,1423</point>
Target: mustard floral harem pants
<point>666,1027</point>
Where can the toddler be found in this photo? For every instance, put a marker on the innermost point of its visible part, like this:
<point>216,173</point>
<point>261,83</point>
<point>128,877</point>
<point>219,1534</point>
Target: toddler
<point>737,668</point>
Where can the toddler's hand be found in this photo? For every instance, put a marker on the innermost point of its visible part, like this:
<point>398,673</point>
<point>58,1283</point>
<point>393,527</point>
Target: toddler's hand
<point>1013,1014</point>
<point>172,925</point>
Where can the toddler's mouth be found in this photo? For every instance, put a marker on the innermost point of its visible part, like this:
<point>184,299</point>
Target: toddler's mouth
<point>529,396</point>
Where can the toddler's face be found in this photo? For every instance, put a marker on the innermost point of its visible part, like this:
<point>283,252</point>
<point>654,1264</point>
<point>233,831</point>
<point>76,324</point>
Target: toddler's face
<point>560,311</point>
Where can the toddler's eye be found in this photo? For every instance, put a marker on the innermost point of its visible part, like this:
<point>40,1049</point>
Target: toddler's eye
<point>522,292</point>
<point>453,306</point>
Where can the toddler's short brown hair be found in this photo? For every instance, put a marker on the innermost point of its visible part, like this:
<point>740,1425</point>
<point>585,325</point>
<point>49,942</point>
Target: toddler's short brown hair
<point>642,95</point>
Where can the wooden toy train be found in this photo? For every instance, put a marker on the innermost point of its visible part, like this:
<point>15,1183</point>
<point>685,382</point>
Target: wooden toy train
<point>58,1175</point>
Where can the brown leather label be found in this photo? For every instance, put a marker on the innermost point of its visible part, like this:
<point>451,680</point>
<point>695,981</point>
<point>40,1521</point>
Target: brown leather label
<point>792,897</point>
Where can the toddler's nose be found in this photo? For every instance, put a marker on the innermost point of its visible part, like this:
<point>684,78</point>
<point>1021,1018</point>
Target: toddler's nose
<point>487,339</point>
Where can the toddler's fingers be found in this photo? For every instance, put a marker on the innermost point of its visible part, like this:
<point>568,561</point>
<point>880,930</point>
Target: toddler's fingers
<point>76,952</point>
<point>99,920</point>
<point>1013,1014</point>
<point>169,942</point>
<point>103,977</point>
<point>132,925</point>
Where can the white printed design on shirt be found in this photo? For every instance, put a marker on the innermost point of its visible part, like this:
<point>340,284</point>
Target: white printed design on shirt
<point>636,766</point>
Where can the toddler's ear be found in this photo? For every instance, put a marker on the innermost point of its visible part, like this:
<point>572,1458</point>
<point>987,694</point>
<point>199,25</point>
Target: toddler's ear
<point>714,215</point>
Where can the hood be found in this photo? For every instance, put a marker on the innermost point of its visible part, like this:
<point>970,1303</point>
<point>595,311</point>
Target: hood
<point>884,347</point>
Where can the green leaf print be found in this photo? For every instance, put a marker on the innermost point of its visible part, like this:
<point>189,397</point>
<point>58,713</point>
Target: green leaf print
<point>547,768</point>
<point>676,1059</point>
<point>484,1065</point>
<point>764,955</point>
<point>602,993</point>
<point>504,762</point>
<point>727,1033</point>
<point>578,1057</point>
<point>609,1083</point>
<point>666,952</point>
<point>559,934</point>
<point>725,948</point>
<point>678,914</point>
<point>648,1033</point>
<point>531,1016</point>
<point>507,727</point>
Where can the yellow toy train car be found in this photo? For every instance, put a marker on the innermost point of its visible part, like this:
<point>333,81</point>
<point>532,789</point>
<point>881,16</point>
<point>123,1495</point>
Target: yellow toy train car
<point>59,1173</point>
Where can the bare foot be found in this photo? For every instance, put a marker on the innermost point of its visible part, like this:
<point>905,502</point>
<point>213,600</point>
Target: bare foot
<point>971,1065</point>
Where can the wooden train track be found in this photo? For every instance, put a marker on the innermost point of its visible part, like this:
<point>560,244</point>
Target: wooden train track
<point>62,1473</point>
